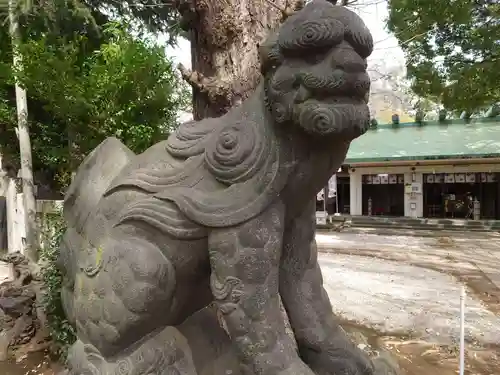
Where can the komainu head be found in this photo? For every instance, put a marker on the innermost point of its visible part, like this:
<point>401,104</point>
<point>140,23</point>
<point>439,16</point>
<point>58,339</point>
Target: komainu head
<point>315,71</point>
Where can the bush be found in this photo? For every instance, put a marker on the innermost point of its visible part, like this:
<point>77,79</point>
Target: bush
<point>62,333</point>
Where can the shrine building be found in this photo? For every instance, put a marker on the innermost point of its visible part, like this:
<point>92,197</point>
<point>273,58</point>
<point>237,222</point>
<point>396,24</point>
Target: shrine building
<point>441,169</point>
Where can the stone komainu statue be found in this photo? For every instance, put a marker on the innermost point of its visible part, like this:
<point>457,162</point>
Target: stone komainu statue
<point>222,211</point>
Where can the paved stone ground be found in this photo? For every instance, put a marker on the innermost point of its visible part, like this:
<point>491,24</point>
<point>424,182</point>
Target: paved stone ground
<point>404,288</point>
<point>402,282</point>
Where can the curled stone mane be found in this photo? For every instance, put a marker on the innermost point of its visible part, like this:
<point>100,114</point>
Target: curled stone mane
<point>233,151</point>
<point>241,150</point>
<point>319,25</point>
<point>238,151</point>
<point>191,138</point>
<point>242,154</point>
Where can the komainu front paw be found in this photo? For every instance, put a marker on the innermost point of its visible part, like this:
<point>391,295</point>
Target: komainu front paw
<point>84,360</point>
<point>339,362</point>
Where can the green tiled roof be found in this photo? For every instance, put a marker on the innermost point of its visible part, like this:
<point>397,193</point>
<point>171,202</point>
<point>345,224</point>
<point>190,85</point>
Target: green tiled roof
<point>475,138</point>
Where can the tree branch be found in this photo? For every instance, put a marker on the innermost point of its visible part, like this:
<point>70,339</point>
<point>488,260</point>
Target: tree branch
<point>187,12</point>
<point>213,87</point>
<point>289,9</point>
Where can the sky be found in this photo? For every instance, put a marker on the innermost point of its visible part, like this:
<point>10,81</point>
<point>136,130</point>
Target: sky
<point>373,12</point>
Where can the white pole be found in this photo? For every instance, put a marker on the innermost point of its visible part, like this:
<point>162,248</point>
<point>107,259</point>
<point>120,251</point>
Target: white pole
<point>462,330</point>
<point>324,199</point>
<point>31,248</point>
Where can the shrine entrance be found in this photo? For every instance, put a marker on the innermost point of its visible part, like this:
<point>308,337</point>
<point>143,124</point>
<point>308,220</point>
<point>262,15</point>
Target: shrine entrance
<point>453,195</point>
<point>383,195</point>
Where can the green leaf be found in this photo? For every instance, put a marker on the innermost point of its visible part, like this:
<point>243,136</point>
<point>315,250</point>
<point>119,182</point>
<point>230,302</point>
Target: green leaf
<point>84,87</point>
<point>451,48</point>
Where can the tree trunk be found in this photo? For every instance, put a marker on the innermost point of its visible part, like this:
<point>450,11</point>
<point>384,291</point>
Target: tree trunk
<point>224,37</point>
<point>31,248</point>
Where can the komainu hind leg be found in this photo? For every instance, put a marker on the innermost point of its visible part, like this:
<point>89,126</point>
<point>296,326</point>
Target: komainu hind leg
<point>124,292</point>
<point>124,303</point>
<point>165,353</point>
<point>199,346</point>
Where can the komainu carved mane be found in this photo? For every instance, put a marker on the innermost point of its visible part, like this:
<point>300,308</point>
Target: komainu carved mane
<point>241,154</point>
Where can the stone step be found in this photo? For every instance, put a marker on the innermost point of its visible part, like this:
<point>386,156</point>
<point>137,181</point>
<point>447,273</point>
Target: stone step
<point>413,221</point>
<point>410,223</point>
<point>434,227</point>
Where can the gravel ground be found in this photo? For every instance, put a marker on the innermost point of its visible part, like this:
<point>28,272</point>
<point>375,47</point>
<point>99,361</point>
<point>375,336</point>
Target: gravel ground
<point>408,284</point>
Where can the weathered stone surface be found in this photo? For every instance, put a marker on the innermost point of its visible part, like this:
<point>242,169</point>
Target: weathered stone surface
<point>20,316</point>
<point>16,306</point>
<point>14,335</point>
<point>222,211</point>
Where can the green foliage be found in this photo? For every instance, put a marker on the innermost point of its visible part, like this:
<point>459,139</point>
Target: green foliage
<point>452,50</point>
<point>154,15</point>
<point>79,95</point>
<point>7,112</point>
<point>61,331</point>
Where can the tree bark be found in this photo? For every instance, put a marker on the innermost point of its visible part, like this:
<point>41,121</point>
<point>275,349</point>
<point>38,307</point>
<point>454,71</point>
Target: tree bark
<point>31,248</point>
<point>224,36</point>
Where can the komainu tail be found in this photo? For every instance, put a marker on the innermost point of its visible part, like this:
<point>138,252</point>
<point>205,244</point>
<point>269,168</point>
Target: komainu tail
<point>85,227</point>
<point>92,179</point>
